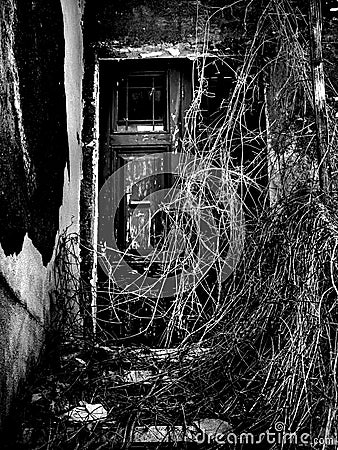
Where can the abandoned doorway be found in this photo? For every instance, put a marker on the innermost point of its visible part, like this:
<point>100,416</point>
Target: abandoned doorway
<point>143,113</point>
<point>142,108</point>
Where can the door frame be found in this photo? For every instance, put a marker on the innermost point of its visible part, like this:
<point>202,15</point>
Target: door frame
<point>90,184</point>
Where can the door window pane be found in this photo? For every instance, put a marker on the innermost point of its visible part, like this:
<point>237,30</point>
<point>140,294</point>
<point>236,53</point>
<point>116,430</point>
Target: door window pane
<point>141,103</point>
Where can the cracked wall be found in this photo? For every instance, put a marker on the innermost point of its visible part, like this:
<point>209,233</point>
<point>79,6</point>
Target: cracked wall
<point>40,171</point>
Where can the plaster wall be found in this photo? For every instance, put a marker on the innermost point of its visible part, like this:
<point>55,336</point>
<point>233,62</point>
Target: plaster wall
<point>26,273</point>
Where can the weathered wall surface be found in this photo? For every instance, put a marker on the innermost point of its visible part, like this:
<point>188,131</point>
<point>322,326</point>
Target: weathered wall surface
<point>23,320</point>
<point>40,170</point>
<point>133,23</point>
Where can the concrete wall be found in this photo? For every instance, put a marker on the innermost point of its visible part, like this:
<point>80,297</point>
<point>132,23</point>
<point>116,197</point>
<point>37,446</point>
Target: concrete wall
<point>135,23</point>
<point>40,171</point>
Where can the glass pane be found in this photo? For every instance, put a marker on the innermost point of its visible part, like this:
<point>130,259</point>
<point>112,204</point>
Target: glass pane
<point>140,81</point>
<point>159,105</point>
<point>141,103</point>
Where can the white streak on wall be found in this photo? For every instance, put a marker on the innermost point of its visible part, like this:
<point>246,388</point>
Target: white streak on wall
<point>72,16</point>
<point>96,194</point>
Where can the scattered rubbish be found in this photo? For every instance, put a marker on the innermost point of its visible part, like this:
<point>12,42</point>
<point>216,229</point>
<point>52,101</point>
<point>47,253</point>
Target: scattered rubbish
<point>36,397</point>
<point>138,376</point>
<point>159,433</point>
<point>213,427</point>
<point>81,361</point>
<point>86,412</point>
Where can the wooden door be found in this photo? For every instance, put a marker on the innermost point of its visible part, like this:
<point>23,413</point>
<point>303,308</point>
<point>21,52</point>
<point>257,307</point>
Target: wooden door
<point>142,112</point>
<point>137,226</point>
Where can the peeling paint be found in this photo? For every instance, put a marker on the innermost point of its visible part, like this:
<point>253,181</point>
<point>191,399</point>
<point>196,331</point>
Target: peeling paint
<point>164,50</point>
<point>26,280</point>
